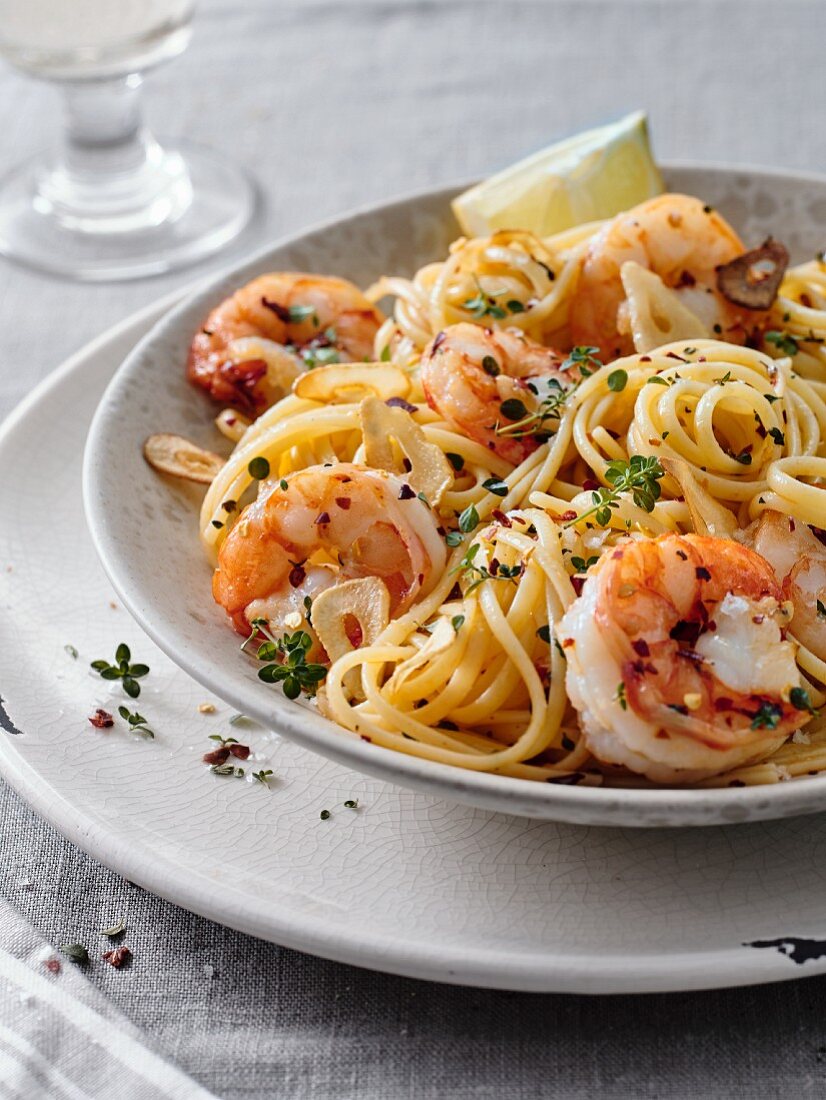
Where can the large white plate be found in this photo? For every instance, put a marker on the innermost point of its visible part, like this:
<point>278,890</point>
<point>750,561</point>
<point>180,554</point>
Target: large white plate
<point>146,529</point>
<point>408,883</point>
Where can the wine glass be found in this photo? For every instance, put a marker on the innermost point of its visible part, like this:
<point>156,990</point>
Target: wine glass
<point>111,202</point>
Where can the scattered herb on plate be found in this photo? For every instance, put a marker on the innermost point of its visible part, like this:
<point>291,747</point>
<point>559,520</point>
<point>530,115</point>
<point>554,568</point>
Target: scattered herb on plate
<point>122,670</point>
<point>137,723</point>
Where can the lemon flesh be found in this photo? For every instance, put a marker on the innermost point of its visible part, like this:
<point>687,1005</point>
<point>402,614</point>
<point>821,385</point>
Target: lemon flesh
<point>593,175</point>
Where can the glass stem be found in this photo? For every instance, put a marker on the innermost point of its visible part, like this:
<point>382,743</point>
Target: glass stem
<point>112,174</point>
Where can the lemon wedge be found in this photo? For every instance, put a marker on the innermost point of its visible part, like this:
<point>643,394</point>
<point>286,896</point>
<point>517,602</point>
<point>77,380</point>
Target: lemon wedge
<point>593,175</point>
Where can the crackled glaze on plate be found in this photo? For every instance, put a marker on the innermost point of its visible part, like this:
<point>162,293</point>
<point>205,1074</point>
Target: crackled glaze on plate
<point>145,528</point>
<point>409,883</point>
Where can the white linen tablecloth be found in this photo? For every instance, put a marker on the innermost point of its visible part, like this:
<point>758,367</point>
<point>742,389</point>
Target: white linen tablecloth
<point>331,104</point>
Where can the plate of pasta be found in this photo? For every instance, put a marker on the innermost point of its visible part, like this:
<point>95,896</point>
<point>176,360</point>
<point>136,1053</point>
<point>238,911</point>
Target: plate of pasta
<point>534,522</point>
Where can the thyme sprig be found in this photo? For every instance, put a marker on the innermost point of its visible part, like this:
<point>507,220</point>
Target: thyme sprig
<point>496,571</point>
<point>527,422</point>
<point>485,304</point>
<point>585,358</point>
<point>123,670</point>
<point>137,723</point>
<point>291,668</point>
<point>783,341</point>
<point>639,476</point>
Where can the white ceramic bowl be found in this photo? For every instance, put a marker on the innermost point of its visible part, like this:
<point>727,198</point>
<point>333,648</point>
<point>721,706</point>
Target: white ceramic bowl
<point>145,529</point>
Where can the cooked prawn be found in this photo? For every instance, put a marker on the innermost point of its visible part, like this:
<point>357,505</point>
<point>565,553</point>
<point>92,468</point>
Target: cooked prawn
<point>258,340</point>
<point>679,239</point>
<point>467,372</point>
<point>677,661</point>
<point>798,558</point>
<point>328,523</point>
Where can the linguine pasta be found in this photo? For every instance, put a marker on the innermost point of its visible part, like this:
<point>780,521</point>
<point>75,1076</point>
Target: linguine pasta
<point>472,671</point>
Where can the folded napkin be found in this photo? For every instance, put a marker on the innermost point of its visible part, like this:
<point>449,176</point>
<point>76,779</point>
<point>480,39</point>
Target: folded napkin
<point>60,1039</point>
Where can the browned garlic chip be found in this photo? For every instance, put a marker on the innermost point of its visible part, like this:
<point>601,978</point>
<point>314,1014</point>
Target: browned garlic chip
<point>430,472</point>
<point>351,381</point>
<point>178,457</point>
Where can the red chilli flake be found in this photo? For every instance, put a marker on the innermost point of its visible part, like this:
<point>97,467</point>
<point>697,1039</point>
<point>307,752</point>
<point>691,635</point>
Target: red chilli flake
<point>52,965</point>
<point>246,372</point>
<point>702,574</point>
<point>240,751</point>
<point>117,956</point>
<point>589,484</point>
<point>406,493</point>
<point>569,515</point>
<point>501,518</point>
<point>440,339</point>
<point>281,312</point>
<point>577,583</point>
<point>343,503</point>
<point>640,647</point>
<point>400,403</point>
<point>323,518</point>
<point>217,756</point>
<point>102,719</point>
<point>297,575</point>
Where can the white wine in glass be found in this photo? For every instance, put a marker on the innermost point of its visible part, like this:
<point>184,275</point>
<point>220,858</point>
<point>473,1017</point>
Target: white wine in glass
<point>111,202</point>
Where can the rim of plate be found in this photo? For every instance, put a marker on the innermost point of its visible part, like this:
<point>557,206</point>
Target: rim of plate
<point>586,805</point>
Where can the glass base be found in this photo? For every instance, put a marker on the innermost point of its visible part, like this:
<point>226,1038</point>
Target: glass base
<point>193,205</point>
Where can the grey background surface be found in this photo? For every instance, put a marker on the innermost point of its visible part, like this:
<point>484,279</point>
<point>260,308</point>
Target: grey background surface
<point>336,104</point>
